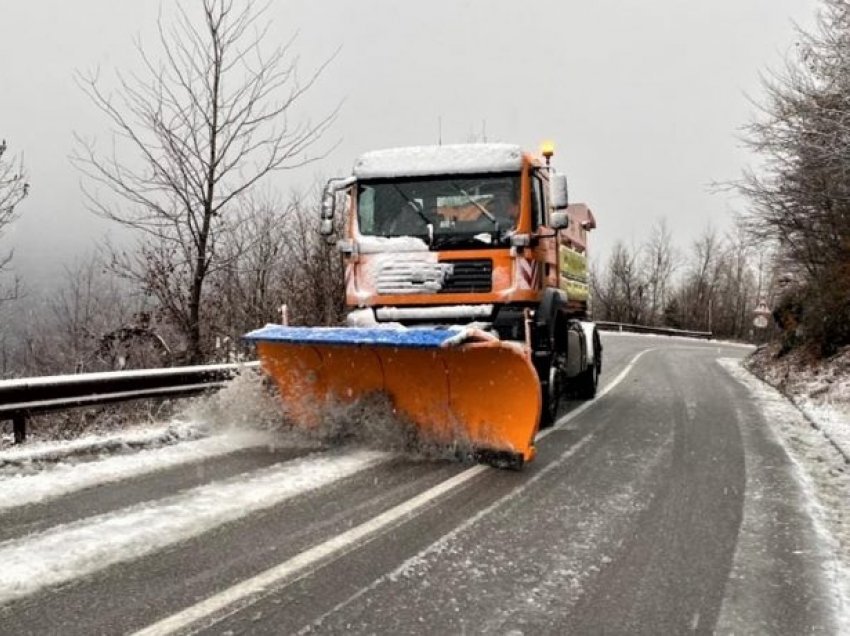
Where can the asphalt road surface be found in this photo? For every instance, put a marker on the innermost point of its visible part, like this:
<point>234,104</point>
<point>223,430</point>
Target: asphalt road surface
<point>662,507</point>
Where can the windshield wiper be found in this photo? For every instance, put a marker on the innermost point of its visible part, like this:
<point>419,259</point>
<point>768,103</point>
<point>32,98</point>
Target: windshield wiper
<point>419,210</point>
<point>483,209</point>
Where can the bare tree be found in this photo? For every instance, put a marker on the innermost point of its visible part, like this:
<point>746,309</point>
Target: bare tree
<point>92,322</point>
<point>619,291</point>
<point>192,137</point>
<point>277,257</point>
<point>698,286</point>
<point>801,196</point>
<point>13,188</point>
<point>315,291</point>
<point>660,260</point>
<point>715,288</point>
<point>739,294</point>
<point>247,289</point>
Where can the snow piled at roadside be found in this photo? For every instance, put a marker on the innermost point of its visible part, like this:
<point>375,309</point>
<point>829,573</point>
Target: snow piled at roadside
<point>819,388</point>
<point>90,444</point>
<point>244,414</point>
<point>66,477</point>
<point>821,470</point>
<point>77,549</point>
<point>832,418</point>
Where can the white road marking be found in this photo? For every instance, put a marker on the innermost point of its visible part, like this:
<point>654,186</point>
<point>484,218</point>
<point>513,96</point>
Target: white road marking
<point>77,549</point>
<point>439,543</point>
<point>600,393</point>
<point>240,595</point>
<point>308,561</point>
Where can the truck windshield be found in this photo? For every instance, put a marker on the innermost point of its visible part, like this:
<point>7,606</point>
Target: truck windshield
<point>473,211</point>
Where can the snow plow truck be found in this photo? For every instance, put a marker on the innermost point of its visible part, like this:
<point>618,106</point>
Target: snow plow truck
<point>466,286</point>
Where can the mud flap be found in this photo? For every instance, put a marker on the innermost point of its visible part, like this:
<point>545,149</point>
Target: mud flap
<point>458,385</point>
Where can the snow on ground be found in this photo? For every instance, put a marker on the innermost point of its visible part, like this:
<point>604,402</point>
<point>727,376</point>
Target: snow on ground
<point>820,388</point>
<point>66,476</point>
<point>822,471</point>
<point>45,559</point>
<point>134,437</point>
<point>831,417</point>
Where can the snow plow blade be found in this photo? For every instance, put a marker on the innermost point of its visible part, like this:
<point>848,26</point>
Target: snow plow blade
<point>457,385</point>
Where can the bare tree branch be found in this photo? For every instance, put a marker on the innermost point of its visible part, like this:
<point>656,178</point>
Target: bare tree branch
<point>800,199</point>
<point>207,121</point>
<point>14,186</point>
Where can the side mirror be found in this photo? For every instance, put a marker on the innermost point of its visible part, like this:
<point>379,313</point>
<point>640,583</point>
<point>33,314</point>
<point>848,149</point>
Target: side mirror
<point>559,221</point>
<point>326,227</point>
<point>329,199</point>
<point>558,192</point>
<point>329,203</point>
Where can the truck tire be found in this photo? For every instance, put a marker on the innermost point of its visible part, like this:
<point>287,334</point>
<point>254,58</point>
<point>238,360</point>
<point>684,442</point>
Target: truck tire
<point>587,382</point>
<point>550,392</point>
<point>549,350</point>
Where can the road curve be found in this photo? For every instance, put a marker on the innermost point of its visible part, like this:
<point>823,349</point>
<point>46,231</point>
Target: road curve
<point>663,507</point>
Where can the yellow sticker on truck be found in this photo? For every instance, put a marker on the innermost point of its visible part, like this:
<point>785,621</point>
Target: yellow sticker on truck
<point>573,268</point>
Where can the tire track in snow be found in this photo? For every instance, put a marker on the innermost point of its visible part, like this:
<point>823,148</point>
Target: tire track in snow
<point>78,549</point>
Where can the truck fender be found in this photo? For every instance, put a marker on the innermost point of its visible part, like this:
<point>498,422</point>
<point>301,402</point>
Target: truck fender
<point>584,347</point>
<point>593,348</point>
<point>546,320</point>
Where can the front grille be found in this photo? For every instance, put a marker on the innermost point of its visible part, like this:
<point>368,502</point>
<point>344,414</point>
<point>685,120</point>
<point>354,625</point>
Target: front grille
<point>468,277</point>
<point>410,276</point>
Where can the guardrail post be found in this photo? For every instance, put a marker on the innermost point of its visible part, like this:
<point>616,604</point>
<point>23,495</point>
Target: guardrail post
<point>19,427</point>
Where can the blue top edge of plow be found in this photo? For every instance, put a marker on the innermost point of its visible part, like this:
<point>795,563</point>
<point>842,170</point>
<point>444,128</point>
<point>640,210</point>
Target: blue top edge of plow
<point>418,338</point>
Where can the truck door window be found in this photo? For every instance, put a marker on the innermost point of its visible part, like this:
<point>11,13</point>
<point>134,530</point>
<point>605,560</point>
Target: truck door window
<point>366,210</point>
<point>538,202</point>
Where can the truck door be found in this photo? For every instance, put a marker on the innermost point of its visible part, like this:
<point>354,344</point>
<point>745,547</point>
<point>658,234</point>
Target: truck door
<point>546,252</point>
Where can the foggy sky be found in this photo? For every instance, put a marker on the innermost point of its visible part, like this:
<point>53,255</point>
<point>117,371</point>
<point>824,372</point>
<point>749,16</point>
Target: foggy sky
<point>644,100</point>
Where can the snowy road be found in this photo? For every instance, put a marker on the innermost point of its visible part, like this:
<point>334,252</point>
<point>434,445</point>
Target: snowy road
<point>667,506</point>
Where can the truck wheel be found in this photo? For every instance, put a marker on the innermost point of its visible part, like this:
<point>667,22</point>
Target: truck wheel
<point>548,359</point>
<point>587,381</point>
<point>551,393</point>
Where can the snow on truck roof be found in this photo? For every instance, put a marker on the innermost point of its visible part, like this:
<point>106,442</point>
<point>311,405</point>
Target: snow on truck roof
<point>418,161</point>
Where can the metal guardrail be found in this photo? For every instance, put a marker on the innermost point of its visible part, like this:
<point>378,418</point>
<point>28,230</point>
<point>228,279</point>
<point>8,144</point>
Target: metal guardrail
<point>661,331</point>
<point>22,398</point>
